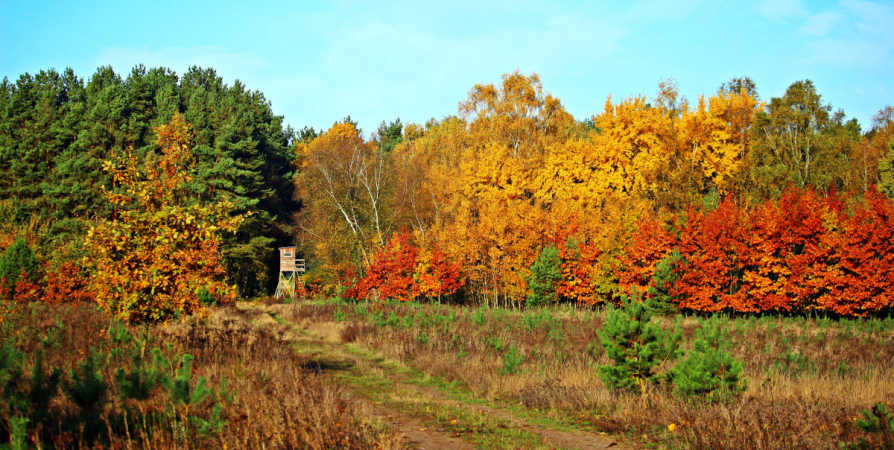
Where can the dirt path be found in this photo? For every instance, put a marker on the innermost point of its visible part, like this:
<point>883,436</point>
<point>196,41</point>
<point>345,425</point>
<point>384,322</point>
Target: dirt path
<point>417,433</point>
<point>323,344</point>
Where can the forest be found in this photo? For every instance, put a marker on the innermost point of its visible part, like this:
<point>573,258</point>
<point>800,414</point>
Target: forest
<point>684,273</point>
<point>729,202</point>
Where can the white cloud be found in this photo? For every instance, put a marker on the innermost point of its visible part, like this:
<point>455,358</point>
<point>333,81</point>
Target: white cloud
<point>857,34</point>
<point>781,9</point>
<point>820,24</point>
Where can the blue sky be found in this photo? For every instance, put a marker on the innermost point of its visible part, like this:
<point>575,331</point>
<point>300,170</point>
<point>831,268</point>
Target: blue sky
<point>317,62</point>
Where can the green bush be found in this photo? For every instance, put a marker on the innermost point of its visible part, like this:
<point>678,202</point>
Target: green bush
<point>181,389</point>
<point>512,360</point>
<point>43,386</point>
<point>479,316</point>
<point>87,388</point>
<point>709,370</point>
<point>635,345</point>
<point>141,380</point>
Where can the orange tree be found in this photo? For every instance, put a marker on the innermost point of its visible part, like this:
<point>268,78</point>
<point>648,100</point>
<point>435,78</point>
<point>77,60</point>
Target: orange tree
<point>159,256</point>
<point>405,271</point>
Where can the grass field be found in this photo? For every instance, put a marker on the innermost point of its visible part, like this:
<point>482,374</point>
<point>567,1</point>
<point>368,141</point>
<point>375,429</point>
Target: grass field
<point>244,388</point>
<point>808,379</point>
<point>329,374</point>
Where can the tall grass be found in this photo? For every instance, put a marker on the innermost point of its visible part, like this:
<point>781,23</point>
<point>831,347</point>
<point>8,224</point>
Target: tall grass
<point>809,378</point>
<point>213,383</point>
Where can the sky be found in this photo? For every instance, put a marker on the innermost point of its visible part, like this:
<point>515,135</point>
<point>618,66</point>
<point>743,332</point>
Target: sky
<point>317,62</point>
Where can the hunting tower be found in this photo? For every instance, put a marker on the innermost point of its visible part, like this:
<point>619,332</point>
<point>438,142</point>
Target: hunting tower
<point>289,269</point>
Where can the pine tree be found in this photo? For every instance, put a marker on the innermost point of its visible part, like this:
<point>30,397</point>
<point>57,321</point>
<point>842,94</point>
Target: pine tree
<point>18,259</point>
<point>546,273</point>
<point>389,135</point>
<point>661,301</point>
<point>635,345</point>
<point>709,370</point>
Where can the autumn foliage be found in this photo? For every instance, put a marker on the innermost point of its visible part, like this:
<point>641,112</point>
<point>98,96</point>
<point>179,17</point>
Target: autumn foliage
<point>805,252</point>
<point>161,256</point>
<point>524,204</point>
<point>26,280</point>
<point>68,284</point>
<point>402,271</point>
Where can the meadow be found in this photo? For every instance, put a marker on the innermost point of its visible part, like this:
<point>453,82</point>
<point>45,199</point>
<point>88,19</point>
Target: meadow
<point>74,379</point>
<point>327,373</point>
<point>808,379</point>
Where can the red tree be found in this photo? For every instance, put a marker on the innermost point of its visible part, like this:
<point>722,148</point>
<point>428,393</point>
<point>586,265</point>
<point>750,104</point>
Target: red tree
<point>391,273</point>
<point>715,249</point>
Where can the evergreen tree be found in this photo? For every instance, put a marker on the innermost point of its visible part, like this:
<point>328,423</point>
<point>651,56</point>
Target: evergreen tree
<point>635,345</point>
<point>242,153</point>
<point>76,190</point>
<point>546,273</point>
<point>307,134</point>
<point>661,301</point>
<point>388,136</point>
<point>18,258</point>
<point>709,370</point>
<point>35,119</point>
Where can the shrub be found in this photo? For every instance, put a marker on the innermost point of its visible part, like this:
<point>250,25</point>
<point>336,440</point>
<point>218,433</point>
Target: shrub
<point>512,360</point>
<point>140,381</point>
<point>87,388</point>
<point>877,420</point>
<point>67,284</point>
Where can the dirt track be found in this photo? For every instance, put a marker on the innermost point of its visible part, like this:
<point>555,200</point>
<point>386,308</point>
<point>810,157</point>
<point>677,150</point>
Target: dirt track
<point>328,353</point>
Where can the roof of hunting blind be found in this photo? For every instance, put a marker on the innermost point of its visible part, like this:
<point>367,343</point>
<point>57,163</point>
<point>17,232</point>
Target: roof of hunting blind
<point>294,246</point>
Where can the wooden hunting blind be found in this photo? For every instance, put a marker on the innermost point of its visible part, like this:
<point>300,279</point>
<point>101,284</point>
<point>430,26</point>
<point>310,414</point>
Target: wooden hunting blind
<point>288,261</point>
<point>289,267</point>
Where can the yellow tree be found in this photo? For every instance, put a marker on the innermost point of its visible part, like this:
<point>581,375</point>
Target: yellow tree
<point>488,218</point>
<point>426,166</point>
<point>711,155</point>
<point>159,257</point>
<point>517,114</point>
<point>344,183</point>
<point>633,158</point>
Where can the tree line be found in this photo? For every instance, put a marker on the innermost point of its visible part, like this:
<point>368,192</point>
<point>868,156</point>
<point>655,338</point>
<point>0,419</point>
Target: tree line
<point>523,203</point>
<point>510,201</point>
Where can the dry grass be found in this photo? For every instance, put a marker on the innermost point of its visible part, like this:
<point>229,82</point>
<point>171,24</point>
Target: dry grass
<point>277,398</point>
<point>807,379</point>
